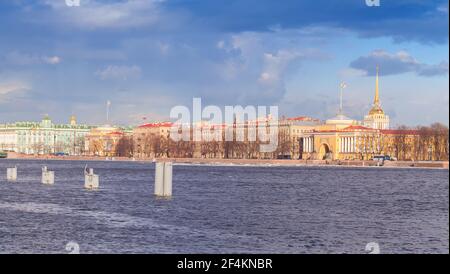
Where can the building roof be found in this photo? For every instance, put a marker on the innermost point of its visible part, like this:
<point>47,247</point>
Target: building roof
<point>357,128</point>
<point>159,124</point>
<point>351,128</point>
<point>400,131</point>
<point>340,119</point>
<point>301,118</point>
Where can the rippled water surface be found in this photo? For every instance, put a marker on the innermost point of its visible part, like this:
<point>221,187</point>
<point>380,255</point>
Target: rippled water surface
<point>224,209</point>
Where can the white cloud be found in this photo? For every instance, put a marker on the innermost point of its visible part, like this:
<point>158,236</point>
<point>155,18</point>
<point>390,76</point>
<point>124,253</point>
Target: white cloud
<point>220,44</point>
<point>24,59</point>
<point>255,66</point>
<point>10,88</point>
<point>163,48</point>
<point>53,60</point>
<point>275,66</point>
<point>119,72</point>
<point>443,8</point>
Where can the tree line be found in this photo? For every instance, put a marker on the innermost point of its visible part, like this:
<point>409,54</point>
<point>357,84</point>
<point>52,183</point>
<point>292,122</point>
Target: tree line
<point>418,144</point>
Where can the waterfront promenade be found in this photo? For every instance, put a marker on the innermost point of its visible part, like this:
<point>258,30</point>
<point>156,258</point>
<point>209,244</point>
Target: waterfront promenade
<point>262,162</point>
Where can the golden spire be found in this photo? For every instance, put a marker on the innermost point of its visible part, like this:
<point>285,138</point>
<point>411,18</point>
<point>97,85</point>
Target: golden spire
<point>376,108</point>
<point>376,101</point>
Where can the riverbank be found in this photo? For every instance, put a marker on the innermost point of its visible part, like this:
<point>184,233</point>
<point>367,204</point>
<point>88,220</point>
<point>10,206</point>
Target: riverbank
<point>256,162</point>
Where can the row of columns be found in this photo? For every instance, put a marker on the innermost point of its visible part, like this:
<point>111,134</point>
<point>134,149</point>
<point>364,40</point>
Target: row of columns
<point>347,144</point>
<point>308,144</point>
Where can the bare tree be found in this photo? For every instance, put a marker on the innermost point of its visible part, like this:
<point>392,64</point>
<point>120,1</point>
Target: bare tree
<point>124,147</point>
<point>440,141</point>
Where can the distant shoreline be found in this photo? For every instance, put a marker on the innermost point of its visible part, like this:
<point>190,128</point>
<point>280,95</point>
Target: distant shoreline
<point>243,162</point>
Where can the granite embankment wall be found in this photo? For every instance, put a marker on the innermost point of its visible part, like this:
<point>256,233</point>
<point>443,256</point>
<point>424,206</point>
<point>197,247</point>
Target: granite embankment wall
<point>419,164</point>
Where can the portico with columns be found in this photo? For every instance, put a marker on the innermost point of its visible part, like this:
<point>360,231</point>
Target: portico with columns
<point>308,144</point>
<point>347,144</point>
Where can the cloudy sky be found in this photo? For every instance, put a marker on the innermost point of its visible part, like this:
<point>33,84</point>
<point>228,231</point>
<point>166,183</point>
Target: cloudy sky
<point>147,56</point>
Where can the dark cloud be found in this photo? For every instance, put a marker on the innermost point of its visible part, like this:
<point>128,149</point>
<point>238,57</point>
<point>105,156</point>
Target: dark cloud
<point>150,55</point>
<point>432,70</point>
<point>403,20</point>
<point>397,63</point>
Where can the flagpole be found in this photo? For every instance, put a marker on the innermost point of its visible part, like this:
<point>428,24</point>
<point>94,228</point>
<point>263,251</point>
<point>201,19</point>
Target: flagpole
<point>108,103</point>
<point>342,86</point>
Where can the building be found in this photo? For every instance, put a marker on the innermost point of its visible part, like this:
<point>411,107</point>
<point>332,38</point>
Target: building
<point>343,138</point>
<point>105,140</point>
<point>43,137</point>
<point>150,139</point>
<point>306,138</point>
<point>338,138</point>
<point>300,141</point>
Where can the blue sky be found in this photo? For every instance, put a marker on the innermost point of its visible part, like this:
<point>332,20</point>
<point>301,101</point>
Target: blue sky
<point>147,56</point>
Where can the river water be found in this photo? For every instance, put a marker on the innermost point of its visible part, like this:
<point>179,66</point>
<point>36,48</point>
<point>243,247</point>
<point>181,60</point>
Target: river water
<point>224,209</point>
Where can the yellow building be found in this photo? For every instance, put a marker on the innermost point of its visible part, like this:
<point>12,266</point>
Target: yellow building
<point>102,141</point>
<point>344,138</point>
<point>149,140</point>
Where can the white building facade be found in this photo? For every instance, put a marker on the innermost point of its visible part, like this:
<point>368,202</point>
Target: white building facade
<point>43,137</point>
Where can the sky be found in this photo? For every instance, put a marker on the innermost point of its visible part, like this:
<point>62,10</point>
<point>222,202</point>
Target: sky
<point>148,56</point>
